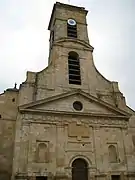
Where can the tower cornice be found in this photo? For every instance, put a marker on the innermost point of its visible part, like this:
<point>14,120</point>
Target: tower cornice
<point>83,43</point>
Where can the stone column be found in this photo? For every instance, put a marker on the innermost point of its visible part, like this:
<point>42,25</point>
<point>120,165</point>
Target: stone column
<point>60,153</point>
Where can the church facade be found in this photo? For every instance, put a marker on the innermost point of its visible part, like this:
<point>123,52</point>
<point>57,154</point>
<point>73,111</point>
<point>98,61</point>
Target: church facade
<point>67,121</point>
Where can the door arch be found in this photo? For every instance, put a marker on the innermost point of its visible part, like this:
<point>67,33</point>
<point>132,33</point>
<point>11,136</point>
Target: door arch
<point>79,169</point>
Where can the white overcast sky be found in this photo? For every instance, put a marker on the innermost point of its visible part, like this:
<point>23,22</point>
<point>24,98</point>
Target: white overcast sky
<point>24,39</point>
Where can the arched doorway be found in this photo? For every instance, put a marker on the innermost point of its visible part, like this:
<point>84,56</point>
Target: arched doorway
<point>79,169</point>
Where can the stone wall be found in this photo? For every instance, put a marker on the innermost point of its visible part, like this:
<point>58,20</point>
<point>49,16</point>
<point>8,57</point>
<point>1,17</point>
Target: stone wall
<point>8,113</point>
<point>7,133</point>
<point>66,138</point>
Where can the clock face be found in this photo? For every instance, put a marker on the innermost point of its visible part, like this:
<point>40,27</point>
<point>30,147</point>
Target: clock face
<point>71,22</point>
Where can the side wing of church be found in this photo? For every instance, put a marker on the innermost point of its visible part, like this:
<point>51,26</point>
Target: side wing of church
<point>67,122</point>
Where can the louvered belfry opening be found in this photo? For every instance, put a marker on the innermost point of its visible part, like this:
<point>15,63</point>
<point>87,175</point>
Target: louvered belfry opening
<point>74,68</point>
<point>79,169</point>
<point>72,31</point>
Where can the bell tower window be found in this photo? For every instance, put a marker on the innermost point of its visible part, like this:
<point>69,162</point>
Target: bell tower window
<point>71,28</point>
<point>74,68</point>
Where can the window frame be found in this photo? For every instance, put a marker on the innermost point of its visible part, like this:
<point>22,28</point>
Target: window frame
<point>74,72</point>
<point>71,31</point>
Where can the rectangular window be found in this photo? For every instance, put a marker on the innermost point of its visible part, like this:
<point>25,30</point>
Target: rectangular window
<point>41,177</point>
<point>115,177</point>
<point>74,73</point>
<point>74,68</point>
<point>71,31</point>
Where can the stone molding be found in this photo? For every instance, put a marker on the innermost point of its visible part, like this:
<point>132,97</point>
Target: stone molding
<point>65,120</point>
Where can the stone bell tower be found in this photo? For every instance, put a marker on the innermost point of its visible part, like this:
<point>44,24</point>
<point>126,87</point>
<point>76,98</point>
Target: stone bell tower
<point>70,51</point>
<point>70,55</point>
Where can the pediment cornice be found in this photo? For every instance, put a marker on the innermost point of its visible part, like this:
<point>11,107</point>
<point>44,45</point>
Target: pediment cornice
<point>31,107</point>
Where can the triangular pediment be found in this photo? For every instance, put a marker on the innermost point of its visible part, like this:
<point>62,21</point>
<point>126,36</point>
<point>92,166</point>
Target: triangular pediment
<point>63,103</point>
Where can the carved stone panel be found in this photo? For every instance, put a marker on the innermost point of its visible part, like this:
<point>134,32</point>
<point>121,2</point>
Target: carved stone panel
<point>78,130</point>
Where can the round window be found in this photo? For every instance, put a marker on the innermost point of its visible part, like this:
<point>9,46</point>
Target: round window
<point>77,105</point>
<point>71,22</point>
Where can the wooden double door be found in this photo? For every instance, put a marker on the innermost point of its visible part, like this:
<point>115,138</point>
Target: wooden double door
<point>79,169</point>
